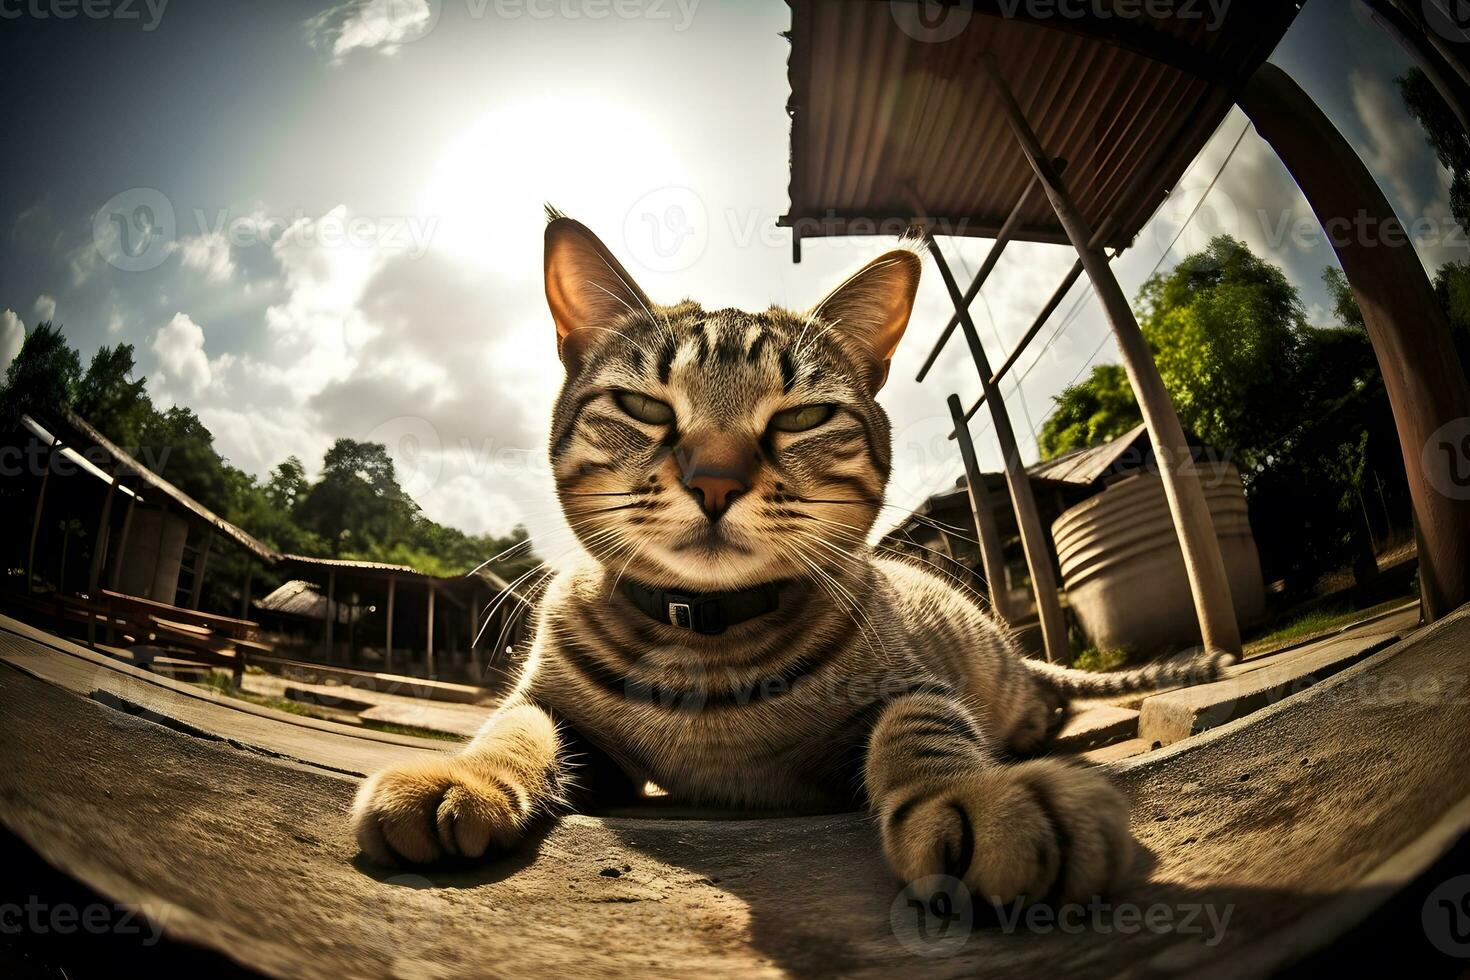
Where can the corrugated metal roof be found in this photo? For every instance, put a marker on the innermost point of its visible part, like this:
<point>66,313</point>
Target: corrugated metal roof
<point>888,113</point>
<point>298,598</point>
<point>1084,467</point>
<point>70,426</point>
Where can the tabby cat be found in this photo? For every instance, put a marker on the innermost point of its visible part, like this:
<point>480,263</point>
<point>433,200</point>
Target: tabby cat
<point>730,636</point>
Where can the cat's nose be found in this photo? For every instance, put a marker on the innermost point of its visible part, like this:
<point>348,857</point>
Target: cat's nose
<point>715,492</point>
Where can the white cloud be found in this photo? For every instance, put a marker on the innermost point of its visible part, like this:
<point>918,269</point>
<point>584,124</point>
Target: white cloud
<point>45,308</point>
<point>181,359</point>
<point>1395,142</point>
<point>372,25</point>
<point>12,335</point>
<point>208,253</point>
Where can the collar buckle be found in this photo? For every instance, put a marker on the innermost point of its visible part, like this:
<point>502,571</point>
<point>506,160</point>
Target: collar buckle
<point>681,615</point>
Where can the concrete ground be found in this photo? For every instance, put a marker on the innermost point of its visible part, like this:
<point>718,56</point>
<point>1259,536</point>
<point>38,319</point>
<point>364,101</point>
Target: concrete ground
<point>1266,838</point>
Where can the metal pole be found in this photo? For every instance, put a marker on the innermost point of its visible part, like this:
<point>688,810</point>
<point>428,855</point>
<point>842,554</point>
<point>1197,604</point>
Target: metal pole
<point>1203,563</point>
<point>1033,539</point>
<point>388,652</point>
<point>991,556</point>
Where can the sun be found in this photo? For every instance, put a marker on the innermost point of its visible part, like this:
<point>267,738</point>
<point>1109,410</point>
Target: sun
<point>590,156</point>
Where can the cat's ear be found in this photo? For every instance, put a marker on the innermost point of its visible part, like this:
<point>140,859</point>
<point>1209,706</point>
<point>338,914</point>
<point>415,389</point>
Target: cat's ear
<point>873,307</point>
<point>586,287</point>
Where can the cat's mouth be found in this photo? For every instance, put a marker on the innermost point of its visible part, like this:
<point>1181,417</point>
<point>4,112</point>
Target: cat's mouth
<point>711,539</point>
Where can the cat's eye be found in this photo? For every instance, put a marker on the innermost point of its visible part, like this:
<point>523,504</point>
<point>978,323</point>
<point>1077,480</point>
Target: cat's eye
<point>650,411</point>
<point>801,419</point>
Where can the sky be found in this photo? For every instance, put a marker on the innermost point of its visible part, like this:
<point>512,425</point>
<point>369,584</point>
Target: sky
<point>346,204</point>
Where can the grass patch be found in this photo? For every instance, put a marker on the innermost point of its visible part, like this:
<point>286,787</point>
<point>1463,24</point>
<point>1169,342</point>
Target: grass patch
<point>1100,660</point>
<point>390,728</point>
<point>1328,619</point>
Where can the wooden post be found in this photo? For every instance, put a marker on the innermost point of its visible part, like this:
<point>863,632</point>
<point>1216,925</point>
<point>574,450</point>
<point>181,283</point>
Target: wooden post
<point>991,556</point>
<point>119,554</point>
<point>201,566</point>
<point>1033,538</point>
<point>99,557</point>
<point>474,628</point>
<point>1426,386</point>
<point>429,642</point>
<point>245,588</point>
<point>331,617</point>
<point>1203,563</point>
<point>36,521</point>
<point>388,652</point>
<point>992,258</point>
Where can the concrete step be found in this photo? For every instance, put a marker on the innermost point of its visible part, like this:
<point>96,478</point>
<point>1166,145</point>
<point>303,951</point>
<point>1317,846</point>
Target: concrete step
<point>1168,717</point>
<point>429,717</point>
<point>1096,725</point>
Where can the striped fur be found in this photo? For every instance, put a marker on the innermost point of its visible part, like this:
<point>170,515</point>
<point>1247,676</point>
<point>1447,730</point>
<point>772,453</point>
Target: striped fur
<point>876,682</point>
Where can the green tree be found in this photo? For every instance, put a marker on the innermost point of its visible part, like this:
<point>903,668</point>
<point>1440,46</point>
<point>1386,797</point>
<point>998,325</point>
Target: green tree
<point>1445,135</point>
<point>358,505</point>
<point>42,377</point>
<point>1090,413</point>
<point>112,400</point>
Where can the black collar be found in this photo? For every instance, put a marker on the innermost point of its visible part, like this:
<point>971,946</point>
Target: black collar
<point>709,613</point>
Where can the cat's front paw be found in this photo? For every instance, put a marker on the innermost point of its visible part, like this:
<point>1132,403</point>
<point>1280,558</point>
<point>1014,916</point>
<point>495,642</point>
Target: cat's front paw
<point>421,812</point>
<point>1035,831</point>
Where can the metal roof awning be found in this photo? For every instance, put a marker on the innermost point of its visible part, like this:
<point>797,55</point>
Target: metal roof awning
<point>892,116</point>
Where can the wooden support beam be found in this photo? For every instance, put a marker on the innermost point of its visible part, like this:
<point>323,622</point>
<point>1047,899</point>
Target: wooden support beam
<point>99,556</point>
<point>201,567</point>
<point>51,452</point>
<point>429,642</point>
<point>1007,232</point>
<point>1025,341</point>
<point>1203,563</point>
<point>331,616</point>
<point>474,629</point>
<point>388,652</point>
<point>119,555</point>
<point>1426,385</point>
<point>1033,538</point>
<point>992,557</point>
<point>245,588</point>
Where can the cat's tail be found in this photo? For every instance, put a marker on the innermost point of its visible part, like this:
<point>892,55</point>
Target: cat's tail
<point>1178,672</point>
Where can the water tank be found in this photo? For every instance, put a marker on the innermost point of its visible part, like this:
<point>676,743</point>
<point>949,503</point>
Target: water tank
<point>1124,571</point>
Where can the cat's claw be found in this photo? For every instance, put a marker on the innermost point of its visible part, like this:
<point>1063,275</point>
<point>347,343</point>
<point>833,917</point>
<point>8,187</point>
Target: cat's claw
<point>1036,831</point>
<point>424,812</point>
